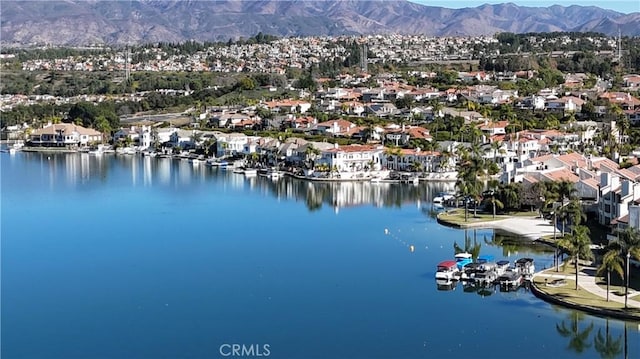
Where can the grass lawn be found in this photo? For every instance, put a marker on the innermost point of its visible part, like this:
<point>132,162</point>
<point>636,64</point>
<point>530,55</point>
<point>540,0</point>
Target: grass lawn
<point>617,284</point>
<point>568,294</point>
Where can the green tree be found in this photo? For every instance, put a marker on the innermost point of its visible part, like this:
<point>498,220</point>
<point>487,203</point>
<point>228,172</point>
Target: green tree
<point>611,262</point>
<point>627,245</point>
<point>577,245</point>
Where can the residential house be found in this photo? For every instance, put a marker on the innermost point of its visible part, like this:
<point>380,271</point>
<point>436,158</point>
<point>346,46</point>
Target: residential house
<point>183,139</point>
<point>231,144</point>
<point>381,109</point>
<point>631,81</point>
<point>290,106</point>
<point>401,135</point>
<point>352,158</point>
<point>415,160</point>
<point>335,127</point>
<point>64,135</point>
<point>616,195</point>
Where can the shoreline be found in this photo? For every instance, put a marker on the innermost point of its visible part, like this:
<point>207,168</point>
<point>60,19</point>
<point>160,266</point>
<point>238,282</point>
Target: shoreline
<point>535,229</point>
<point>431,176</point>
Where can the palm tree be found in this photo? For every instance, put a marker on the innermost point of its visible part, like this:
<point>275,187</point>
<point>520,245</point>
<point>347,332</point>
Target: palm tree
<point>577,244</point>
<point>627,245</point>
<point>496,146</point>
<point>311,154</point>
<point>579,340</point>
<point>611,262</point>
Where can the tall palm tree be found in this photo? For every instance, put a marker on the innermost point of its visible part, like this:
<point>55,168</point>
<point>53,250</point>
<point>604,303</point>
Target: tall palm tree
<point>628,245</point>
<point>611,262</point>
<point>577,245</point>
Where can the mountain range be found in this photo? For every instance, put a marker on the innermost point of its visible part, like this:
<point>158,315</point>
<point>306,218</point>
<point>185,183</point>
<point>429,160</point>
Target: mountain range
<point>85,22</point>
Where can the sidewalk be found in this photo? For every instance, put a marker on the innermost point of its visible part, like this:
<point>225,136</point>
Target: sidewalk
<point>588,283</point>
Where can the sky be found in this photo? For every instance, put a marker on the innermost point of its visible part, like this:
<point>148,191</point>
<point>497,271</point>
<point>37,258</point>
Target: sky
<point>623,6</point>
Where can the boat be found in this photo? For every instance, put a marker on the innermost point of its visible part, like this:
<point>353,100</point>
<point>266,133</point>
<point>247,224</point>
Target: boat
<point>526,267</point>
<point>274,174</point>
<point>376,180</point>
<point>501,267</point>
<point>447,270</point>
<point>443,197</point>
<point>510,279</point>
<point>485,278</point>
<point>485,258</point>
<point>469,271</point>
<point>250,172</point>
<point>462,259</point>
<point>96,151</point>
<point>238,170</point>
<point>445,284</point>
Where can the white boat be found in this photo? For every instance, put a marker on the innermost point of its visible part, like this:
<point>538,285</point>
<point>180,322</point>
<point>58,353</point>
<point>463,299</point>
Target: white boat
<point>250,172</point>
<point>443,197</point>
<point>510,279</point>
<point>97,151</point>
<point>462,259</point>
<point>238,170</point>
<point>445,284</point>
<point>525,267</point>
<point>376,179</point>
<point>275,174</point>
<point>447,270</point>
<point>502,267</point>
<point>485,278</point>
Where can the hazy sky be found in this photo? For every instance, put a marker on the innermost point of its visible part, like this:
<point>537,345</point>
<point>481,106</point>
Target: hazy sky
<point>624,6</point>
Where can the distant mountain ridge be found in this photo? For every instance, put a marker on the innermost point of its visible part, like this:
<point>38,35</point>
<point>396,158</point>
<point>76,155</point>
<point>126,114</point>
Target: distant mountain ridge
<point>75,22</point>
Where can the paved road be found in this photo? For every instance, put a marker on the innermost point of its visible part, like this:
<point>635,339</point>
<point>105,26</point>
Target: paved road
<point>532,227</point>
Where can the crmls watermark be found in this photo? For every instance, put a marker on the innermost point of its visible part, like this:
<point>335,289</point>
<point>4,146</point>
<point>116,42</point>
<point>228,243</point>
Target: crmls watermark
<point>245,350</point>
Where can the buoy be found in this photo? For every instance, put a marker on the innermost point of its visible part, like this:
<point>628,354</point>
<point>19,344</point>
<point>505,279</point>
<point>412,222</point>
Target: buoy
<point>412,248</point>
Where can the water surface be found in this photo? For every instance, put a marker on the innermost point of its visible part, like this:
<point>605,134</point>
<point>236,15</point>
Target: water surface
<point>130,257</point>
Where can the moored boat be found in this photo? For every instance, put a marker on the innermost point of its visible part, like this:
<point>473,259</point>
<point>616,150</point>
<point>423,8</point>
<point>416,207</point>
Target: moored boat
<point>250,172</point>
<point>445,284</point>
<point>501,267</point>
<point>442,197</point>
<point>462,259</point>
<point>447,270</point>
<point>526,267</point>
<point>510,279</point>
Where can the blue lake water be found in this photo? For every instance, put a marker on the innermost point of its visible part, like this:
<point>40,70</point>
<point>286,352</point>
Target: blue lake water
<point>130,257</point>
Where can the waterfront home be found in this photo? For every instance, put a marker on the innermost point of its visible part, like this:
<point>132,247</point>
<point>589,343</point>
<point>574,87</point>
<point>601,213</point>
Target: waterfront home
<point>230,144</point>
<point>414,160</point>
<point>352,159</point>
<point>139,135</point>
<point>64,135</point>
<point>616,195</point>
<point>182,138</point>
